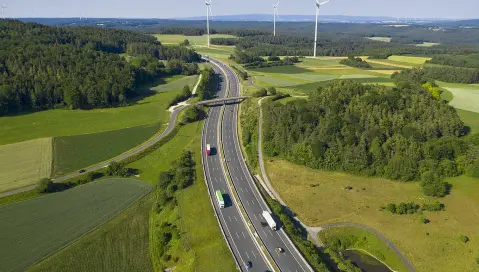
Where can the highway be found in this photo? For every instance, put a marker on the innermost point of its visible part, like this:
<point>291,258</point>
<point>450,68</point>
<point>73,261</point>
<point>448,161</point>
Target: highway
<point>236,232</point>
<point>250,197</point>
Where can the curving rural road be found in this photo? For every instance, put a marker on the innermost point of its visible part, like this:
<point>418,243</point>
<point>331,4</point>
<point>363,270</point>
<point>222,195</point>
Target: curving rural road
<point>313,231</point>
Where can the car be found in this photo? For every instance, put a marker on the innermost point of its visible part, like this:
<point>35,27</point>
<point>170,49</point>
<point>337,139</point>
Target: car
<point>82,171</point>
<point>279,250</point>
<point>248,264</point>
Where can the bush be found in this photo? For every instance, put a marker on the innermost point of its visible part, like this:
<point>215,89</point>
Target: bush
<point>464,238</point>
<point>272,91</point>
<point>424,220</point>
<point>260,93</point>
<point>402,208</point>
<point>193,114</point>
<point>117,169</point>
<point>433,185</point>
<point>433,207</point>
<point>45,185</point>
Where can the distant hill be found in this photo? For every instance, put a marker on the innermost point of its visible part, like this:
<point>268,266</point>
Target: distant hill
<point>295,18</point>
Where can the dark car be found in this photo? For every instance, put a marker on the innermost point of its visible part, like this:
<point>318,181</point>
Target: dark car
<point>248,264</point>
<point>82,171</point>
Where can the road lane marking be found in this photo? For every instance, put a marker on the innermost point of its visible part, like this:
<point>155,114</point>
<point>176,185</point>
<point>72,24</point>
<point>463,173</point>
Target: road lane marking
<point>243,235</point>
<point>235,218</point>
<point>237,235</point>
<point>254,255</point>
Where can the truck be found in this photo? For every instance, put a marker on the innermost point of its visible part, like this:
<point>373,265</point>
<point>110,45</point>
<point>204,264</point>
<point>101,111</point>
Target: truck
<point>208,150</point>
<point>219,198</point>
<point>269,219</point>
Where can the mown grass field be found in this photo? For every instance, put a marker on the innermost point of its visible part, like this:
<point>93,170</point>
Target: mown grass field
<point>72,153</point>
<point>122,244</point>
<point>149,110</point>
<point>25,163</point>
<point>203,238</point>
<point>364,240</point>
<point>470,119</point>
<point>429,247</point>
<point>33,229</point>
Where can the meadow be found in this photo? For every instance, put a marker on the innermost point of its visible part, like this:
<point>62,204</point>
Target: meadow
<point>25,163</point>
<point>121,244</point>
<point>72,153</point>
<point>33,229</point>
<point>200,246</point>
<point>464,96</point>
<point>381,39</point>
<point>319,198</point>
<point>177,84</point>
<point>58,122</point>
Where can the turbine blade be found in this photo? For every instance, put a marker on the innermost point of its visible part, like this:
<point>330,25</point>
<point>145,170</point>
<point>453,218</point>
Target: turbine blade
<point>211,13</point>
<point>322,3</point>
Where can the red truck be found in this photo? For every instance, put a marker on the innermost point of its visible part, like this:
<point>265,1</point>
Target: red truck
<point>208,150</point>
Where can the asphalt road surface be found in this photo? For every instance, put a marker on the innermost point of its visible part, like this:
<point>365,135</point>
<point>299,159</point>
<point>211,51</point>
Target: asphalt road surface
<point>250,197</point>
<point>239,238</point>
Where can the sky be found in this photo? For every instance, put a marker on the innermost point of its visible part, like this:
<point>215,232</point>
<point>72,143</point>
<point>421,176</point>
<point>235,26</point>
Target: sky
<point>457,9</point>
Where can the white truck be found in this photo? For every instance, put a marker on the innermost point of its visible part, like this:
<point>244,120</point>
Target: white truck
<point>269,219</point>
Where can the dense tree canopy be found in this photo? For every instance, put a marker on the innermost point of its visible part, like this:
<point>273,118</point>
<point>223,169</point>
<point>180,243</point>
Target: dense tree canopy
<point>369,130</point>
<point>44,67</point>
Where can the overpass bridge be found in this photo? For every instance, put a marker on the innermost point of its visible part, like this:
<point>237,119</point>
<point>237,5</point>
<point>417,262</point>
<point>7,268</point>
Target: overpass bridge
<point>221,100</point>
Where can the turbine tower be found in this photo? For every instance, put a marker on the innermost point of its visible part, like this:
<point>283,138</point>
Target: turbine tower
<point>316,25</point>
<point>3,10</point>
<point>275,14</point>
<point>208,15</point>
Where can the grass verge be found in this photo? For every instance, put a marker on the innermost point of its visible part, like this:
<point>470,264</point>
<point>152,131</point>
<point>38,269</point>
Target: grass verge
<point>122,244</point>
<point>207,251</point>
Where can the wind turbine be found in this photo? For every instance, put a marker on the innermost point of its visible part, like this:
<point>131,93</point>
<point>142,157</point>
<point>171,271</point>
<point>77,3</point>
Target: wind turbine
<point>208,14</point>
<point>316,26</point>
<point>275,14</point>
<point>3,10</point>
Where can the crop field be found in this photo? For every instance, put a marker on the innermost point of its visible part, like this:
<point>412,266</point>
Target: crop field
<point>204,240</point>
<point>380,39</point>
<point>25,163</point>
<point>72,153</point>
<point>367,241</point>
<point>58,122</point>
<point>33,229</point>
<point>122,244</point>
<point>319,197</point>
<point>427,44</point>
<point>409,59</point>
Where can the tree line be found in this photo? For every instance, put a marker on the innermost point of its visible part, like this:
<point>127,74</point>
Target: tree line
<point>467,61</point>
<point>356,62</point>
<point>399,133</point>
<point>44,67</point>
<point>432,73</point>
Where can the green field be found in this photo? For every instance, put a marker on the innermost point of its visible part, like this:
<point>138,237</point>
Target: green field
<point>150,110</point>
<point>33,229</point>
<point>72,153</point>
<point>122,244</point>
<point>202,240</point>
<point>464,96</point>
<point>409,59</point>
<point>427,44</point>
<point>357,238</point>
<point>429,247</point>
<point>24,163</point>
<point>380,39</point>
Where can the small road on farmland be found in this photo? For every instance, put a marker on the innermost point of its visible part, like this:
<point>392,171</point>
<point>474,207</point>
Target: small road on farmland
<point>132,152</point>
<point>313,231</point>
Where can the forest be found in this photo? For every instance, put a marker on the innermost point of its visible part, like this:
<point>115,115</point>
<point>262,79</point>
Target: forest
<point>467,61</point>
<point>44,67</point>
<point>432,73</point>
<point>400,133</point>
